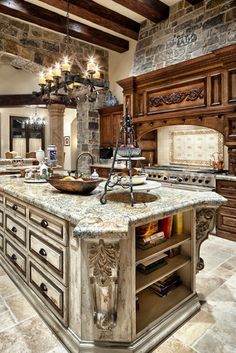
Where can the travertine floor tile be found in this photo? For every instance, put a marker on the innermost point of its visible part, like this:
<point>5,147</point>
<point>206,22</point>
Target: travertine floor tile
<point>6,321</point>
<point>2,272</point>
<point>207,283</point>
<point>209,343</point>
<point>225,293</point>
<point>20,307</point>
<point>173,345</point>
<point>7,287</point>
<point>30,336</point>
<point>230,264</point>
<point>59,349</point>
<point>194,328</point>
<point>3,307</point>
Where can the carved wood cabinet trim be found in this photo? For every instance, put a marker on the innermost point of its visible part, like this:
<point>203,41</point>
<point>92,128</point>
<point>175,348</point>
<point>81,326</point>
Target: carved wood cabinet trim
<point>200,91</point>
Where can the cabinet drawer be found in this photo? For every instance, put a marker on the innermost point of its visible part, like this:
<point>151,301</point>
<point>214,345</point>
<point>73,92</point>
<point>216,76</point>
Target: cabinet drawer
<point>15,206</point>
<point>53,294</point>
<point>16,229</point>
<point>51,255</point>
<point>16,257</point>
<point>54,227</point>
<point>226,188</point>
<point>227,219</point>
<point>1,218</point>
<point>231,203</point>
<point>1,242</point>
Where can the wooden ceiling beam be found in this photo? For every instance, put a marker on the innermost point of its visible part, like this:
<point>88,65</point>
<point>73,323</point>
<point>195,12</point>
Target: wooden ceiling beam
<point>154,10</point>
<point>22,100</point>
<point>101,15</point>
<point>48,19</point>
<point>194,2</point>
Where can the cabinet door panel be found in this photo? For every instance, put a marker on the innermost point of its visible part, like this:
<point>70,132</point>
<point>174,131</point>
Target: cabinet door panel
<point>16,258</point>
<point>16,229</point>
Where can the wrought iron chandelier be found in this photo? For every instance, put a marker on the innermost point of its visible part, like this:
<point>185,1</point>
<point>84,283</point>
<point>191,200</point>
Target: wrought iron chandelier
<point>59,83</point>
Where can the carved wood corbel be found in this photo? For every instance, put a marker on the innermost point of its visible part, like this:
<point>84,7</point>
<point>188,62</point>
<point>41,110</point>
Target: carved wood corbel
<point>205,222</point>
<point>103,274</point>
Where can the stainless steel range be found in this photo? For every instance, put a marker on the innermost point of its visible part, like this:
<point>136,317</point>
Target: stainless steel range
<point>179,177</point>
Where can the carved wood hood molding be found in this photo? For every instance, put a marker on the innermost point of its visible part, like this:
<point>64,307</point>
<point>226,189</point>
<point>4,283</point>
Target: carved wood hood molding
<point>200,91</point>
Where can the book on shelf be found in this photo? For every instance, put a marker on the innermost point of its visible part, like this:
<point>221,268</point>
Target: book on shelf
<point>151,267</point>
<point>146,244</point>
<point>146,230</point>
<point>164,287</point>
<point>177,227</point>
<point>165,225</point>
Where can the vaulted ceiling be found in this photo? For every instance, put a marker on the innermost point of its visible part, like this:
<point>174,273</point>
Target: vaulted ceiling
<point>107,23</point>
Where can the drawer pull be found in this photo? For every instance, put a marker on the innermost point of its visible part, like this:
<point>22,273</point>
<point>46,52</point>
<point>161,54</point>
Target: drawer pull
<point>14,230</point>
<point>14,207</point>
<point>43,287</point>
<point>42,252</point>
<point>13,257</point>
<point>44,223</point>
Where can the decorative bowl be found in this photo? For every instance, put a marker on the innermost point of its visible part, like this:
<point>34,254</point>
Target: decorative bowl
<point>84,186</point>
<point>129,151</point>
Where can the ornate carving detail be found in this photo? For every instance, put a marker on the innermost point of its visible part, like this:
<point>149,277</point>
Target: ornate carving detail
<point>103,274</point>
<point>205,219</point>
<point>177,97</point>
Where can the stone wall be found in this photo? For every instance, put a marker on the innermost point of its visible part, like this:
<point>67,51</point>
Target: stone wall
<point>190,31</point>
<point>30,47</point>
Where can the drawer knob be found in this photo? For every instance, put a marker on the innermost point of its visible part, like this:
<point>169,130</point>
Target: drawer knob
<point>44,223</point>
<point>13,257</point>
<point>14,230</point>
<point>43,287</point>
<point>42,252</point>
<point>14,207</point>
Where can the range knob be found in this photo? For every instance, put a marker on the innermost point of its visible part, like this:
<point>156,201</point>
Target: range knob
<point>200,180</point>
<point>185,179</point>
<point>207,181</point>
<point>165,178</point>
<point>154,176</point>
<point>194,179</point>
<point>180,180</point>
<point>159,176</point>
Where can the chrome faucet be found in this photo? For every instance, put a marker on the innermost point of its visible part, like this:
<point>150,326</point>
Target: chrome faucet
<point>77,161</point>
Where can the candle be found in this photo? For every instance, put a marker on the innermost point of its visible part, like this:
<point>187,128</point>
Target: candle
<point>57,70</point>
<point>91,68</point>
<point>65,66</point>
<point>42,80</point>
<point>97,73</point>
<point>49,75</point>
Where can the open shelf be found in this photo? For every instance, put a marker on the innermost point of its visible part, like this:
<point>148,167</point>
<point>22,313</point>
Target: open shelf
<point>174,241</point>
<point>152,307</point>
<point>143,281</point>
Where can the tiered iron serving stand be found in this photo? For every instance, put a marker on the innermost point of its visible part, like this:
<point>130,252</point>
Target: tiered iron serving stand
<point>128,153</point>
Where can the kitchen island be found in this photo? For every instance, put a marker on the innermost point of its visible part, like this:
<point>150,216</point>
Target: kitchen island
<point>75,260</point>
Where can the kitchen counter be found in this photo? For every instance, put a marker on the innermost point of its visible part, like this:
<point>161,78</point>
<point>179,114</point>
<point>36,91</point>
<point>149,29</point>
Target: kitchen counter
<point>226,177</point>
<point>93,219</point>
<point>75,260</point>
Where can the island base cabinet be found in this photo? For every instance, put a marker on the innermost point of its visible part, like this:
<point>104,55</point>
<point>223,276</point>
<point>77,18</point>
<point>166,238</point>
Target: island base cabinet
<point>86,288</point>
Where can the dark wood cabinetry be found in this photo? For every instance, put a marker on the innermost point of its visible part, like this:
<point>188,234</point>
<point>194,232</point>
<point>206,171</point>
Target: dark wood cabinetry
<point>226,215</point>
<point>110,118</point>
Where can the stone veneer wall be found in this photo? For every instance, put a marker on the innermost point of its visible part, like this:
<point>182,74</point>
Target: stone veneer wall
<point>190,31</point>
<point>30,47</point>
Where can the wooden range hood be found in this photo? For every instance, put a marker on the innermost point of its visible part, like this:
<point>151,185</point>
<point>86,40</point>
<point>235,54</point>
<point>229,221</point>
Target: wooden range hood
<point>199,91</point>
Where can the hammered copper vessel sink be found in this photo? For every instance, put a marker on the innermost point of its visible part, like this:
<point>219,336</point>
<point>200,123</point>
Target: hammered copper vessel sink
<point>75,186</point>
<point>124,196</point>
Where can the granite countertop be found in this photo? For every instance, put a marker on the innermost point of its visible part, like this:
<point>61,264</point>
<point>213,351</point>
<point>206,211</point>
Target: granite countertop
<point>226,177</point>
<point>112,219</point>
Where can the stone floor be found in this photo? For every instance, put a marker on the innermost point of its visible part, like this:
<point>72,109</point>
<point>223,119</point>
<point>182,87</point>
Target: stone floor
<point>212,330</point>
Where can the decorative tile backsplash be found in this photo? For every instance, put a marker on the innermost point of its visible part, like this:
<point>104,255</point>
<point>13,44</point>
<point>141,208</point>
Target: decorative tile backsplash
<point>195,147</point>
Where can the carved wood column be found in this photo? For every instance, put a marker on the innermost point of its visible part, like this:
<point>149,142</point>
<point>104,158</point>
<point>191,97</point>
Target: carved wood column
<point>56,116</point>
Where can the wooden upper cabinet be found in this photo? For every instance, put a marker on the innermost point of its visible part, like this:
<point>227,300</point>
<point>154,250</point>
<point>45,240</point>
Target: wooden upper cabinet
<point>110,118</point>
